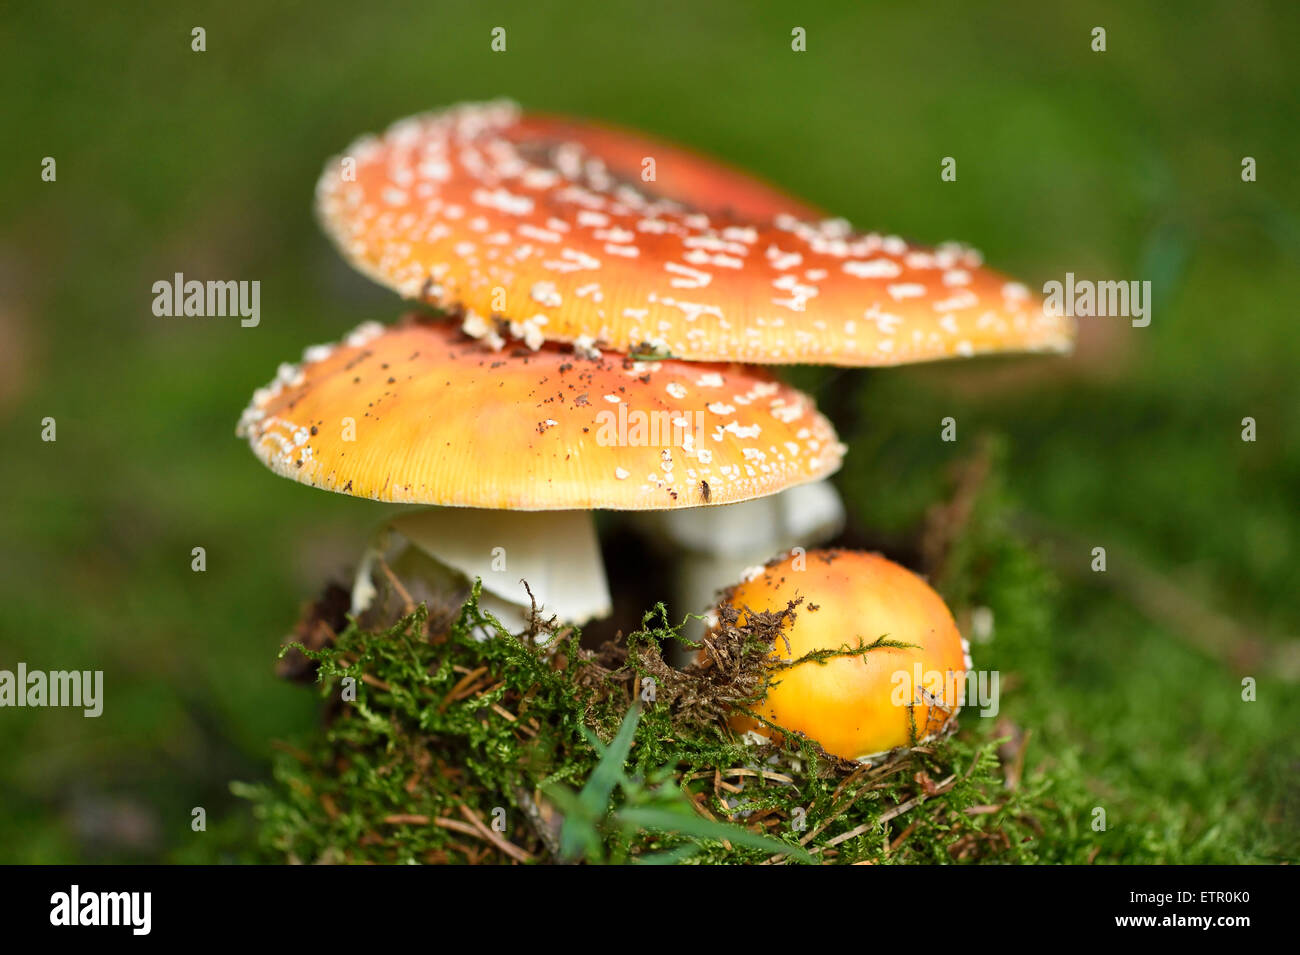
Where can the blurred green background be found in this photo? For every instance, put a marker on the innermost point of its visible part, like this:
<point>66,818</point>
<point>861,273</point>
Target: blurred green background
<point>1123,164</point>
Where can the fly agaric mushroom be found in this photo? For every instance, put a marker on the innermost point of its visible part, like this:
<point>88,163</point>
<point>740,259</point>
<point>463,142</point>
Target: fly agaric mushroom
<point>485,208</point>
<point>421,414</point>
<point>905,684</point>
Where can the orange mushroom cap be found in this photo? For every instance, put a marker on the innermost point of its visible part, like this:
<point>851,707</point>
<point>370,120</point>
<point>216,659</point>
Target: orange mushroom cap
<point>534,219</point>
<point>421,413</point>
<point>856,706</point>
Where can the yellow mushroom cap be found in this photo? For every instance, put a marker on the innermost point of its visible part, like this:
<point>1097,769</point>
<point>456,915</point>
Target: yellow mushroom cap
<point>856,706</point>
<point>484,207</point>
<point>421,413</point>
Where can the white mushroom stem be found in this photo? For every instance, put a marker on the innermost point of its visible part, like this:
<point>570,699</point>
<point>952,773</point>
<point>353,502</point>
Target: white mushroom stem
<point>364,590</point>
<point>555,554</point>
<point>719,545</point>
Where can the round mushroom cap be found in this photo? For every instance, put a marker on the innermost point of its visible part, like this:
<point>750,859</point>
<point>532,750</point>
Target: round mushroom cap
<point>856,706</point>
<point>536,220</point>
<point>421,413</point>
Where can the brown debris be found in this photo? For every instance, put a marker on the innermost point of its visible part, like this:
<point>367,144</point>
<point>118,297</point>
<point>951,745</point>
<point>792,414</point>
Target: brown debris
<point>731,669</point>
<point>321,621</point>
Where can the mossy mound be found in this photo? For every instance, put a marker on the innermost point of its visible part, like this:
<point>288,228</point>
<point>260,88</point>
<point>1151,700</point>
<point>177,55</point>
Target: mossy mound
<point>441,747</point>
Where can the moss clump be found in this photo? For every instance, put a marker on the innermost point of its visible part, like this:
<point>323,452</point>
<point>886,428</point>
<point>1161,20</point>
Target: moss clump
<point>440,747</point>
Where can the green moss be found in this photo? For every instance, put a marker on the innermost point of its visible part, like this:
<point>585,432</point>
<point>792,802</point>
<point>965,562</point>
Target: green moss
<point>447,727</point>
<point>448,733</point>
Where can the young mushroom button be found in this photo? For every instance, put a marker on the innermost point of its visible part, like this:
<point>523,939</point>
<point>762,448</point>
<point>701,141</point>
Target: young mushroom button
<point>544,223</point>
<point>881,625</point>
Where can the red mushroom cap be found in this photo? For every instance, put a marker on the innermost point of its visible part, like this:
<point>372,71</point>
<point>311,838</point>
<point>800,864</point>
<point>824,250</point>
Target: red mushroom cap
<point>481,207</point>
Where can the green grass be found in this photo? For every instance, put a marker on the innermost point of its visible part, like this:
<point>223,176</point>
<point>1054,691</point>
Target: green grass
<point>1124,164</point>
